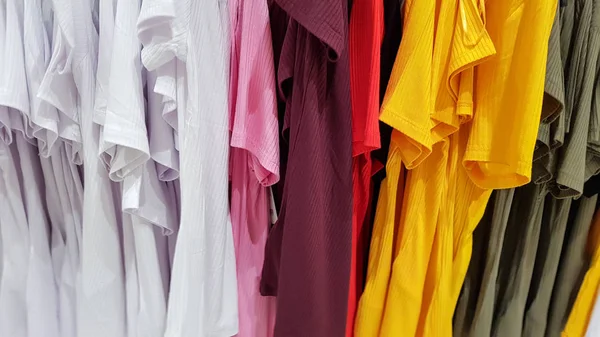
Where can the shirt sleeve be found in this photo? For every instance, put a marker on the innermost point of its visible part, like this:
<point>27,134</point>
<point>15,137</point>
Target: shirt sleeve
<point>509,90</point>
<point>408,99</point>
<point>255,126</point>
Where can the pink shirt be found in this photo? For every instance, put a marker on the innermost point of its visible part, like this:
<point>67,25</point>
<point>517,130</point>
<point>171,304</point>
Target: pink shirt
<point>254,157</point>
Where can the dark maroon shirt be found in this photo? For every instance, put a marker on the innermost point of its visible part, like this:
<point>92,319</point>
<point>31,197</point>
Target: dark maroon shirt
<point>307,260</point>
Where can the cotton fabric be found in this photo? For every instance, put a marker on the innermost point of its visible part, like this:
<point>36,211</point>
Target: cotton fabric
<point>365,37</point>
<point>315,217</point>
<point>254,159</point>
<point>203,294</point>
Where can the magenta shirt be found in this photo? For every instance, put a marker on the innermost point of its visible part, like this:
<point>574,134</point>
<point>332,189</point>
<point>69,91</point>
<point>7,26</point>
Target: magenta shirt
<point>254,157</point>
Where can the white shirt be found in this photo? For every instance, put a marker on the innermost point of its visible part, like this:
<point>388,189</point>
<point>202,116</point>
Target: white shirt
<point>160,134</point>
<point>106,11</point>
<point>65,195</point>
<point>101,301</point>
<point>144,197</point>
<point>39,284</point>
<point>13,81</point>
<point>124,134</point>
<point>37,55</point>
<point>15,245</point>
<point>203,296</point>
<point>42,296</point>
<point>57,87</point>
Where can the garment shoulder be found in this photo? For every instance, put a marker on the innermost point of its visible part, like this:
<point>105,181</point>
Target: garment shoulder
<point>327,20</point>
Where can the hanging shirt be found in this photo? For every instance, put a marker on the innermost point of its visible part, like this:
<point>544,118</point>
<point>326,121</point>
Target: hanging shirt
<point>14,91</point>
<point>315,218</point>
<point>365,34</point>
<point>574,262</point>
<point>422,270</point>
<point>385,191</point>
<point>44,116</point>
<point>409,144</point>
<point>57,87</point>
<point>582,308</point>
<point>203,295</point>
<point>159,204</point>
<point>13,221</point>
<point>573,162</point>
<point>160,134</point>
<point>40,287</point>
<point>15,245</point>
<point>101,305</point>
<point>64,195</point>
<point>254,157</point>
<point>124,137</point>
<point>42,296</point>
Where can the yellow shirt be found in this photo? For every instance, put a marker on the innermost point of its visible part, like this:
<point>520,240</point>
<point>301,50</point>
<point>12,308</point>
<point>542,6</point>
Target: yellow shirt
<point>411,143</point>
<point>509,93</point>
<point>432,90</point>
<point>421,284</point>
<point>372,300</point>
<point>582,309</point>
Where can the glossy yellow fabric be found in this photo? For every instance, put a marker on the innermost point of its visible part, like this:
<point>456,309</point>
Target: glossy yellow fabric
<point>584,304</point>
<point>509,93</point>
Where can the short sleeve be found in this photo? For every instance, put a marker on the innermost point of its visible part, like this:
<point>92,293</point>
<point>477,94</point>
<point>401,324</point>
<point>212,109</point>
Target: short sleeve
<point>366,34</point>
<point>408,99</point>
<point>255,126</point>
<point>509,96</point>
<point>554,91</point>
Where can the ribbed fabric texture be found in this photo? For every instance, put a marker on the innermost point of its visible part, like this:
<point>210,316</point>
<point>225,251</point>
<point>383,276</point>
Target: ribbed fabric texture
<point>573,264</point>
<point>101,308</point>
<point>203,294</point>
<point>308,253</point>
<point>421,288</point>
<point>518,257</point>
<point>412,125</point>
<point>124,136</point>
<point>475,309</point>
<point>387,195</point>
<point>571,172</point>
<point>422,273</point>
<point>500,162</point>
<point>254,159</point>
<point>550,243</point>
<point>365,37</point>
<point>553,106</point>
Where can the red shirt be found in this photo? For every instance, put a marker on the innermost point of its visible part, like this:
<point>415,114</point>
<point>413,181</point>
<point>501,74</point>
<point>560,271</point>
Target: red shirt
<point>366,34</point>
